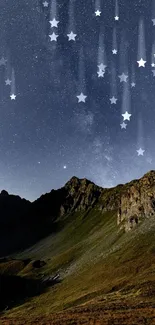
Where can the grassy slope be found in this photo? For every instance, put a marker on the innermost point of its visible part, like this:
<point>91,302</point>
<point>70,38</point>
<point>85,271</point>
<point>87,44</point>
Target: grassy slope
<point>94,258</point>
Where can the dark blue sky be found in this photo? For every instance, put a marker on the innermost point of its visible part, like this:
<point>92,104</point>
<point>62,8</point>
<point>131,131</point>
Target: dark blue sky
<point>46,128</point>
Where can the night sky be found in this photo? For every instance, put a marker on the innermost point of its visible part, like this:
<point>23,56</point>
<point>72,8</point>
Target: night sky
<point>47,135</point>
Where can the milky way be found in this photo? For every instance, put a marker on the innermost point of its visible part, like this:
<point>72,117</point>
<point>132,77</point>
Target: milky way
<point>46,135</point>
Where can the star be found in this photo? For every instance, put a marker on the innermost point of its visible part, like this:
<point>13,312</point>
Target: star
<point>102,66</point>
<point>153,72</point>
<point>123,125</point>
<point>3,61</point>
<point>153,65</point>
<point>38,162</point>
<point>98,13</point>
<point>100,73</point>
<point>116,18</point>
<point>54,22</point>
<point>140,152</point>
<point>45,4</point>
<point>81,98</point>
<point>71,36</point>
<point>141,63</point>
<point>126,116</point>
<point>64,167</point>
<point>154,55</point>
<point>153,20</point>
<point>13,97</point>
<point>114,51</point>
<point>53,37</point>
<point>123,77</point>
<point>113,100</point>
<point>8,82</point>
<point>133,84</point>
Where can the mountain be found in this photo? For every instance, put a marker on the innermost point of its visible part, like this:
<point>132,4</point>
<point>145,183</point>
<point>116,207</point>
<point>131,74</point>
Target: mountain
<point>82,254</point>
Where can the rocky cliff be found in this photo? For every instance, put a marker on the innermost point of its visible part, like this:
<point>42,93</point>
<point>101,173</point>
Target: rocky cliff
<point>22,223</point>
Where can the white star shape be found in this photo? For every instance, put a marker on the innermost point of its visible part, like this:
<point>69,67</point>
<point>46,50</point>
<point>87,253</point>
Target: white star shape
<point>8,82</point>
<point>123,77</point>
<point>13,97</point>
<point>113,100</point>
<point>114,51</point>
<point>45,4</point>
<point>98,13</point>
<point>71,36</point>
<point>123,125</point>
<point>54,22</point>
<point>133,84</point>
<point>153,65</point>
<point>102,66</point>
<point>3,61</point>
<point>101,73</point>
<point>126,116</point>
<point>53,37</point>
<point>153,20</point>
<point>116,18</point>
<point>64,167</point>
<point>81,98</point>
<point>140,152</point>
<point>141,63</point>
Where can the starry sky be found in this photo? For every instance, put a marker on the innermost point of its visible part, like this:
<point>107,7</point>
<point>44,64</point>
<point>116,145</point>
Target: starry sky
<point>47,135</point>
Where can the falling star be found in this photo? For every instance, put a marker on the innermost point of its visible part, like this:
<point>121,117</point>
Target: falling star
<point>101,51</point>
<point>126,116</point>
<point>13,86</point>
<point>8,82</point>
<point>126,102</point>
<point>54,23</point>
<point>81,98</point>
<point>97,13</point>
<point>71,24</point>
<point>81,76</point>
<point>114,42</point>
<point>102,67</point>
<point>141,63</point>
<point>113,83</point>
<point>113,100</point>
<point>53,37</point>
<point>140,138</point>
<point>45,4</point>
<point>116,10</point>
<point>152,54</point>
<point>123,77</point>
<point>98,7</point>
<point>71,36</point>
<point>140,152</point>
<point>13,96</point>
<point>133,77</point>
<point>53,12</point>
<point>101,73</point>
<point>141,58</point>
<point>123,125</point>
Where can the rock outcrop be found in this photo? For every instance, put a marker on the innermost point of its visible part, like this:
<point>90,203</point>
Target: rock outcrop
<point>137,202</point>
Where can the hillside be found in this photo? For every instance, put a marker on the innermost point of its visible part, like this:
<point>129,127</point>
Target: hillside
<point>101,247</point>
